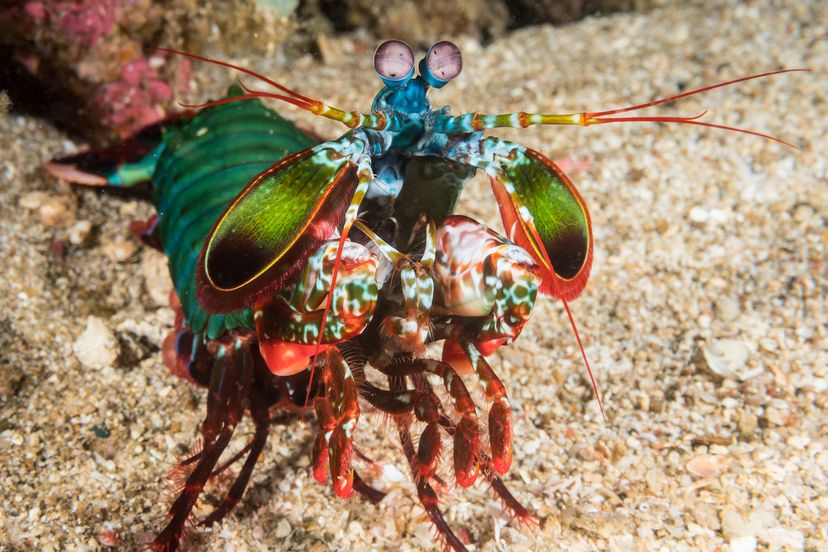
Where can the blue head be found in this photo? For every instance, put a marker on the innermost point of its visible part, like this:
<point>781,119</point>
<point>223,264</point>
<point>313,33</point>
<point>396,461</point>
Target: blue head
<point>403,92</point>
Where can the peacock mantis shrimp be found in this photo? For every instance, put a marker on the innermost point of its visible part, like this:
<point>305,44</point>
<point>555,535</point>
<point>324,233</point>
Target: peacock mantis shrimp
<point>299,266</point>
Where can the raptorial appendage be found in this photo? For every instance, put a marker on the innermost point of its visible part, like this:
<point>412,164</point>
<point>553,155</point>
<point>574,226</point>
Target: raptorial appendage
<point>288,324</point>
<point>469,287</point>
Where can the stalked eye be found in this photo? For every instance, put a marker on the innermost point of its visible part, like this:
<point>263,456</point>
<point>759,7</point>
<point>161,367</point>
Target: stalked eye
<point>394,62</point>
<point>442,63</point>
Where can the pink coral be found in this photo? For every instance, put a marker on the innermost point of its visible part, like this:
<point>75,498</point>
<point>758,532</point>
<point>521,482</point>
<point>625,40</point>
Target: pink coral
<point>36,10</point>
<point>132,102</point>
<point>99,47</point>
<point>84,22</point>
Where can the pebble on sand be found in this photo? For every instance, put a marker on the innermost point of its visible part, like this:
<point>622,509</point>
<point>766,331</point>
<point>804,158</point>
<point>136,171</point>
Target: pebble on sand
<point>96,347</point>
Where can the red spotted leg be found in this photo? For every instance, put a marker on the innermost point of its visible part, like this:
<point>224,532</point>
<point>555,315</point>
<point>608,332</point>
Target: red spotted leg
<point>426,408</point>
<point>338,413</point>
<point>466,448</point>
<point>469,460</point>
<point>544,214</point>
<point>500,414</point>
<point>462,402</point>
<point>492,283</point>
<point>499,488</point>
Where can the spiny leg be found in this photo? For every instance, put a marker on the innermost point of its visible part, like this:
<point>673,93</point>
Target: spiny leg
<point>468,458</point>
<point>371,494</point>
<point>466,449</point>
<point>425,492</point>
<point>222,379</point>
<point>501,491</point>
<point>261,420</point>
<point>427,409</point>
<point>500,414</point>
<point>499,488</point>
<point>238,386</point>
<point>400,402</point>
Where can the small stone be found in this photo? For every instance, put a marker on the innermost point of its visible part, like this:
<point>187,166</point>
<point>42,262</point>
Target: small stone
<point>33,200</point>
<point>707,516</point>
<point>742,544</point>
<point>621,542</point>
<point>728,308</point>
<point>781,537</point>
<point>392,474</point>
<point>760,520</point>
<point>119,251</point>
<point>656,481</point>
<point>355,528</point>
<point>699,215</point>
<point>726,358</point>
<point>619,450</point>
<point>734,525</point>
<point>55,212</point>
<point>79,232</point>
<point>279,8</point>
<point>657,401</point>
<point>803,212</point>
<point>11,379</point>
<point>706,465</point>
<point>776,417</point>
<point>156,277</point>
<point>748,422</point>
<point>96,347</point>
<point>644,402</point>
<point>282,529</point>
<point>332,50</point>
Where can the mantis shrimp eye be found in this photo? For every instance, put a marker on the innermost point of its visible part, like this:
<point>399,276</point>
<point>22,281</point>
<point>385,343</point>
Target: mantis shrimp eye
<point>442,63</point>
<point>394,62</point>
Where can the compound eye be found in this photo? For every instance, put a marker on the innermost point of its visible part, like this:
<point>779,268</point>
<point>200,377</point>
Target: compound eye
<point>443,62</point>
<point>394,62</point>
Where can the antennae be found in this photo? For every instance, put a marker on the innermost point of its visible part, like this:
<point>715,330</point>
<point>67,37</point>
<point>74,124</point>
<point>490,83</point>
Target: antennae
<point>244,70</point>
<point>583,355</point>
<point>687,121</point>
<point>352,119</point>
<point>472,122</point>
<point>249,96</point>
<point>693,92</point>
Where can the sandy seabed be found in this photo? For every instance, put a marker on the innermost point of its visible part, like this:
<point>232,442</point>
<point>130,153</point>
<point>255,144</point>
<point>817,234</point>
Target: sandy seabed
<point>704,319</point>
